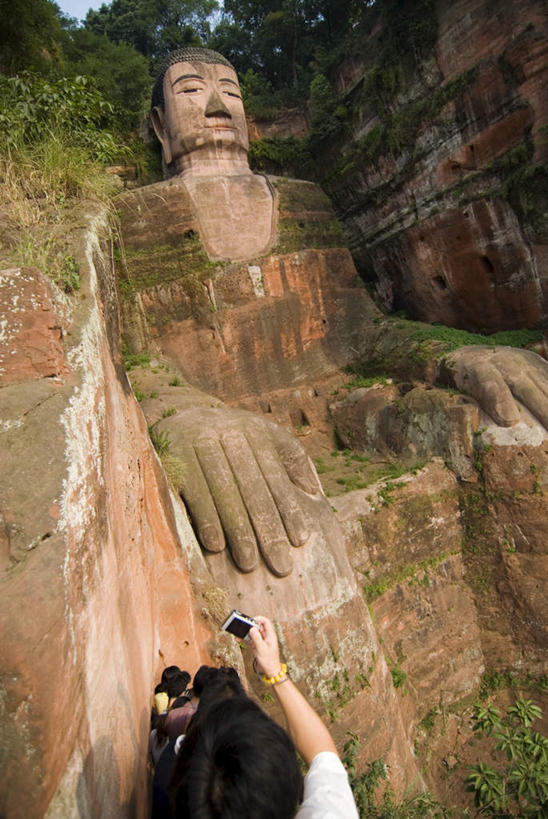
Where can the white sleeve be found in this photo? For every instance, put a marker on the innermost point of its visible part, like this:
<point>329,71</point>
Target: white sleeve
<point>327,793</point>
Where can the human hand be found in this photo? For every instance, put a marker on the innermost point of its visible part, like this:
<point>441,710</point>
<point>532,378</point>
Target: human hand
<point>265,647</point>
<point>242,478</point>
<point>497,377</point>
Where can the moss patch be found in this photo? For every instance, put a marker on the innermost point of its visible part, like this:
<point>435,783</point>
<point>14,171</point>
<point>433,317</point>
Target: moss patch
<point>293,235</point>
<point>184,260</point>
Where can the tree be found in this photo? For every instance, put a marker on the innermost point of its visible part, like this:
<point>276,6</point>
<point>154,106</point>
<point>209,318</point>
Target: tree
<point>153,27</point>
<point>29,35</point>
<point>118,70</point>
<point>520,784</point>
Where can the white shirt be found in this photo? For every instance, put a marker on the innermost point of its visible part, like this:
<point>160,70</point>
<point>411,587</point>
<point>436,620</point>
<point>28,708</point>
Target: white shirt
<point>327,793</point>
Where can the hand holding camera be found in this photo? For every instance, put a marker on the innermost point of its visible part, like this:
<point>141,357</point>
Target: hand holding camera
<point>260,632</point>
<point>265,647</point>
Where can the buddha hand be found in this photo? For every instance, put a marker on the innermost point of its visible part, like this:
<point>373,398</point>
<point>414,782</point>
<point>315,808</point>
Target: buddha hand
<point>498,378</point>
<point>241,480</point>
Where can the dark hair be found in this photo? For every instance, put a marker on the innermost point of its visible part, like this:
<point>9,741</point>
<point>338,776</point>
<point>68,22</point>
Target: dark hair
<point>189,54</point>
<point>168,673</point>
<point>177,683</point>
<point>236,762</point>
<point>161,728</point>
<point>210,677</point>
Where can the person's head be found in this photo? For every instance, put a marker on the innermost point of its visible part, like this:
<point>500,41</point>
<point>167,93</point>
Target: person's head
<point>177,683</point>
<point>197,110</point>
<point>170,672</point>
<point>208,677</point>
<point>236,761</point>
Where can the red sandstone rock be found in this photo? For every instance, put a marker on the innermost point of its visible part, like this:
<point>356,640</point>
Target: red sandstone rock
<point>432,224</point>
<point>30,331</point>
<point>96,596</point>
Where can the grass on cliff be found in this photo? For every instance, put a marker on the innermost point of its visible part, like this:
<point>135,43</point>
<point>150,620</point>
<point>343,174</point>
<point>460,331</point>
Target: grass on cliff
<point>54,144</point>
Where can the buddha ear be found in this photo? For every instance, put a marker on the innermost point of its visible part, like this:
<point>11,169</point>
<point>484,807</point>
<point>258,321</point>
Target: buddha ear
<point>159,125</point>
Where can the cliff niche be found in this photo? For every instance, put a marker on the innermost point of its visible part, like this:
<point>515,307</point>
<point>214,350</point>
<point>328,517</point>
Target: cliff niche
<point>208,423</point>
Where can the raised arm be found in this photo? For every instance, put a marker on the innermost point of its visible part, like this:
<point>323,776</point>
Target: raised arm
<point>309,734</point>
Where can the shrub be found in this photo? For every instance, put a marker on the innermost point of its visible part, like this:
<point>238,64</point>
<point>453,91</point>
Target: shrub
<point>519,784</point>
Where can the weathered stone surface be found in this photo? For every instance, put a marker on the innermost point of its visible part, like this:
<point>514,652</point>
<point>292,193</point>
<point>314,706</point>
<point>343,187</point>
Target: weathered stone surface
<point>96,595</point>
<point>516,481</point>
<point>405,547</point>
<point>291,123</point>
<point>421,422</point>
<point>428,625</point>
<point>416,521</point>
<point>240,330</point>
<point>437,224</point>
<point>31,344</point>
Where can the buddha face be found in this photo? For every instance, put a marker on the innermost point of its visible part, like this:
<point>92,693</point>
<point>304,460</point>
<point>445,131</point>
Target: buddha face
<point>203,116</point>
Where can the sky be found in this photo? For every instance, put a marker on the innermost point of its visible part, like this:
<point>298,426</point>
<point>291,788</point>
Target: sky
<point>79,8</point>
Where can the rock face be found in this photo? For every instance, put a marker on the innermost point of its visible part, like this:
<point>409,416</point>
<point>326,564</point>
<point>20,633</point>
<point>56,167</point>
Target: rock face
<point>95,589</point>
<point>31,338</point>
<point>443,191</point>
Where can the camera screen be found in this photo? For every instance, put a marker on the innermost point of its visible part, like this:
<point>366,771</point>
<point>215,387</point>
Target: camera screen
<point>238,628</point>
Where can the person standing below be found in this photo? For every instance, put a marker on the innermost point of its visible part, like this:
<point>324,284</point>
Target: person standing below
<point>236,761</point>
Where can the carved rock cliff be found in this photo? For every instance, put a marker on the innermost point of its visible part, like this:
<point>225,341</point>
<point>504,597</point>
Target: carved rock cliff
<point>440,178</point>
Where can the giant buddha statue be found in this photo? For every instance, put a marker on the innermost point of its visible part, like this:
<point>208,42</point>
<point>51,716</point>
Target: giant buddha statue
<point>243,282</point>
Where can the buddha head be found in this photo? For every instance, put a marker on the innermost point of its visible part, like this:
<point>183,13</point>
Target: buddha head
<point>198,113</point>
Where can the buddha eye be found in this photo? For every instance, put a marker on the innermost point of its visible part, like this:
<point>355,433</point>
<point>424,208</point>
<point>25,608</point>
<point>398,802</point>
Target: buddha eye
<point>233,94</point>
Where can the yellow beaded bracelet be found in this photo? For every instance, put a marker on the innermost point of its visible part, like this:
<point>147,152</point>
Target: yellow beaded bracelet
<point>281,675</point>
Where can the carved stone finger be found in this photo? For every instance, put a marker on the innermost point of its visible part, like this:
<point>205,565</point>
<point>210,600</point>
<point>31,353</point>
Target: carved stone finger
<point>297,525</point>
<point>295,460</point>
<point>258,500</point>
<point>197,497</point>
<point>228,501</point>
<point>532,393</point>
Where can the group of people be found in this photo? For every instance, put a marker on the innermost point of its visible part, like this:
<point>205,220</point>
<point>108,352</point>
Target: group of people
<point>218,754</point>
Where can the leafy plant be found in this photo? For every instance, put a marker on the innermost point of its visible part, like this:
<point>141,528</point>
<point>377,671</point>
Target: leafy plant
<point>160,440</point>
<point>520,786</point>
<point>398,676</point>
<point>365,788</point>
<point>132,360</point>
<point>34,108</point>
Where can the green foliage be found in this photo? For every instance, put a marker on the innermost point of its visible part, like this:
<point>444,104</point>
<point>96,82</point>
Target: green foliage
<point>486,717</point>
<point>327,115</point>
<point>258,95</point>
<point>119,72</point>
<point>153,27</point>
<point>362,381</point>
<point>34,111</point>
<point>54,137</point>
<point>365,787</point>
<point>453,339</point>
<point>493,680</point>
<point>518,786</point>
<point>70,274</point>
<point>407,572</point>
<point>398,676</point>
<point>132,360</point>
<point>160,440</point>
<point>29,35</point>
<point>283,157</point>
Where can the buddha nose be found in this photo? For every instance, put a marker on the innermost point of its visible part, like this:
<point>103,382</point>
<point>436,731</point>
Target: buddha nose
<point>215,106</point>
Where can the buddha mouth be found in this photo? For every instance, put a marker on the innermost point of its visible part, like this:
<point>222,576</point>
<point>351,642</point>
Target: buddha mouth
<point>220,125</point>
